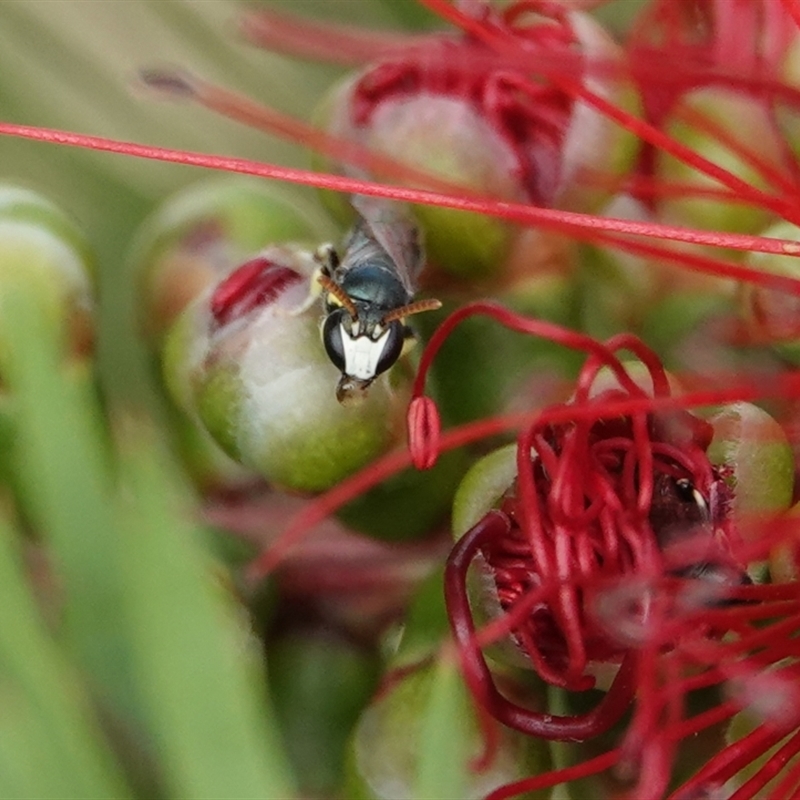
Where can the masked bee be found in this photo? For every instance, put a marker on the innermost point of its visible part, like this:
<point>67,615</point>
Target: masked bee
<point>367,294</point>
<point>679,513</point>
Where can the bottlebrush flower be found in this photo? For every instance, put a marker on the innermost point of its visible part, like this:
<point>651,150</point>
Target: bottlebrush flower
<point>614,547</point>
<point>603,496</point>
<point>646,608</point>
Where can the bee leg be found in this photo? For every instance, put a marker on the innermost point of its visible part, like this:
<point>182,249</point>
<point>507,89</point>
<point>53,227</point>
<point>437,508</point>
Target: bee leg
<point>327,259</point>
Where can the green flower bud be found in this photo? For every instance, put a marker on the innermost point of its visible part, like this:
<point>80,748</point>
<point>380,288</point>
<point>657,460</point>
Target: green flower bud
<point>423,718</point>
<point>41,251</point>
<point>45,261</point>
<point>758,463</point>
<point>731,111</point>
<point>207,230</point>
<point>448,109</point>
<point>253,370</point>
<point>188,245</point>
<point>617,288</point>
<point>483,487</point>
<point>773,314</point>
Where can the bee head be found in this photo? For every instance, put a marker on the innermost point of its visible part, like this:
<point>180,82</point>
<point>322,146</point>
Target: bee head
<point>361,353</point>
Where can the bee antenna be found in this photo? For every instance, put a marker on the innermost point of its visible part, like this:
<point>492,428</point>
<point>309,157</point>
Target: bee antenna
<point>412,308</point>
<point>330,286</point>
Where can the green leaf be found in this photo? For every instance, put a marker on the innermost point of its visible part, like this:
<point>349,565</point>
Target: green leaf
<point>214,730</point>
<point>445,741</point>
<point>50,744</point>
<point>64,470</point>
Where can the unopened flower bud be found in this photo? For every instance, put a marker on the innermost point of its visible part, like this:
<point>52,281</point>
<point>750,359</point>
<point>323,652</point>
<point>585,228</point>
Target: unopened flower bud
<point>749,121</point>
<point>193,241</point>
<point>250,365</point>
<point>205,231</point>
<point>774,314</point>
<point>483,487</point>
<point>397,732</point>
<point>758,463</point>
<point>42,252</point>
<point>617,288</point>
<point>450,107</point>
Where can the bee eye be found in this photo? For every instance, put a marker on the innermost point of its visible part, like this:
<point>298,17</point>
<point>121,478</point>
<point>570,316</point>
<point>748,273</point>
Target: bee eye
<point>394,346</point>
<point>689,494</point>
<point>332,338</point>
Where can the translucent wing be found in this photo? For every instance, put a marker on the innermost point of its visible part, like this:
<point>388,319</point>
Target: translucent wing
<point>397,233</point>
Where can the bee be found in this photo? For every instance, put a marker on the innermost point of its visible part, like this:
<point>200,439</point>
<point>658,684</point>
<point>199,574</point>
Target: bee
<point>680,513</point>
<point>368,292</point>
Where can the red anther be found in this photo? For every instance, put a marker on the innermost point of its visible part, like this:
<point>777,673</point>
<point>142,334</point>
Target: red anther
<point>256,283</point>
<point>424,430</point>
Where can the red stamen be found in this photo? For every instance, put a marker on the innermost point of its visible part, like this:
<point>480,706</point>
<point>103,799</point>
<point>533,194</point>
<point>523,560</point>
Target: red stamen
<point>477,674</point>
<point>793,9</point>
<point>338,44</point>
<point>555,777</point>
<point>424,430</point>
<point>582,226</point>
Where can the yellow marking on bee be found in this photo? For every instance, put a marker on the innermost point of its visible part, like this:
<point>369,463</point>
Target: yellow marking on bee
<point>335,292</point>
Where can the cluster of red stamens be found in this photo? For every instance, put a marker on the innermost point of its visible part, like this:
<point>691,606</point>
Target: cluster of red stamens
<point>615,544</point>
<point>529,116</point>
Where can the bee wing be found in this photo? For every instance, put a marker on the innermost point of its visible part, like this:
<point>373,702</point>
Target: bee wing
<point>397,233</point>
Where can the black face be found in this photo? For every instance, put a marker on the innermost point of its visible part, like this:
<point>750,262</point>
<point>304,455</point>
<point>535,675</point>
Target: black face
<point>393,347</point>
<point>390,342</point>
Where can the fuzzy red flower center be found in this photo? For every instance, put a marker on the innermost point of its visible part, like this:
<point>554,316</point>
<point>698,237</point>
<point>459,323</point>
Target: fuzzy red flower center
<point>608,498</point>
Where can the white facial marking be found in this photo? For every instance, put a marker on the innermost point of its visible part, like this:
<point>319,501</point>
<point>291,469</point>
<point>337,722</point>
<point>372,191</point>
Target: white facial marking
<point>362,354</point>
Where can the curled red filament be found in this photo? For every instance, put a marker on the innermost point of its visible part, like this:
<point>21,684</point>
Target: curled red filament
<point>599,501</point>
